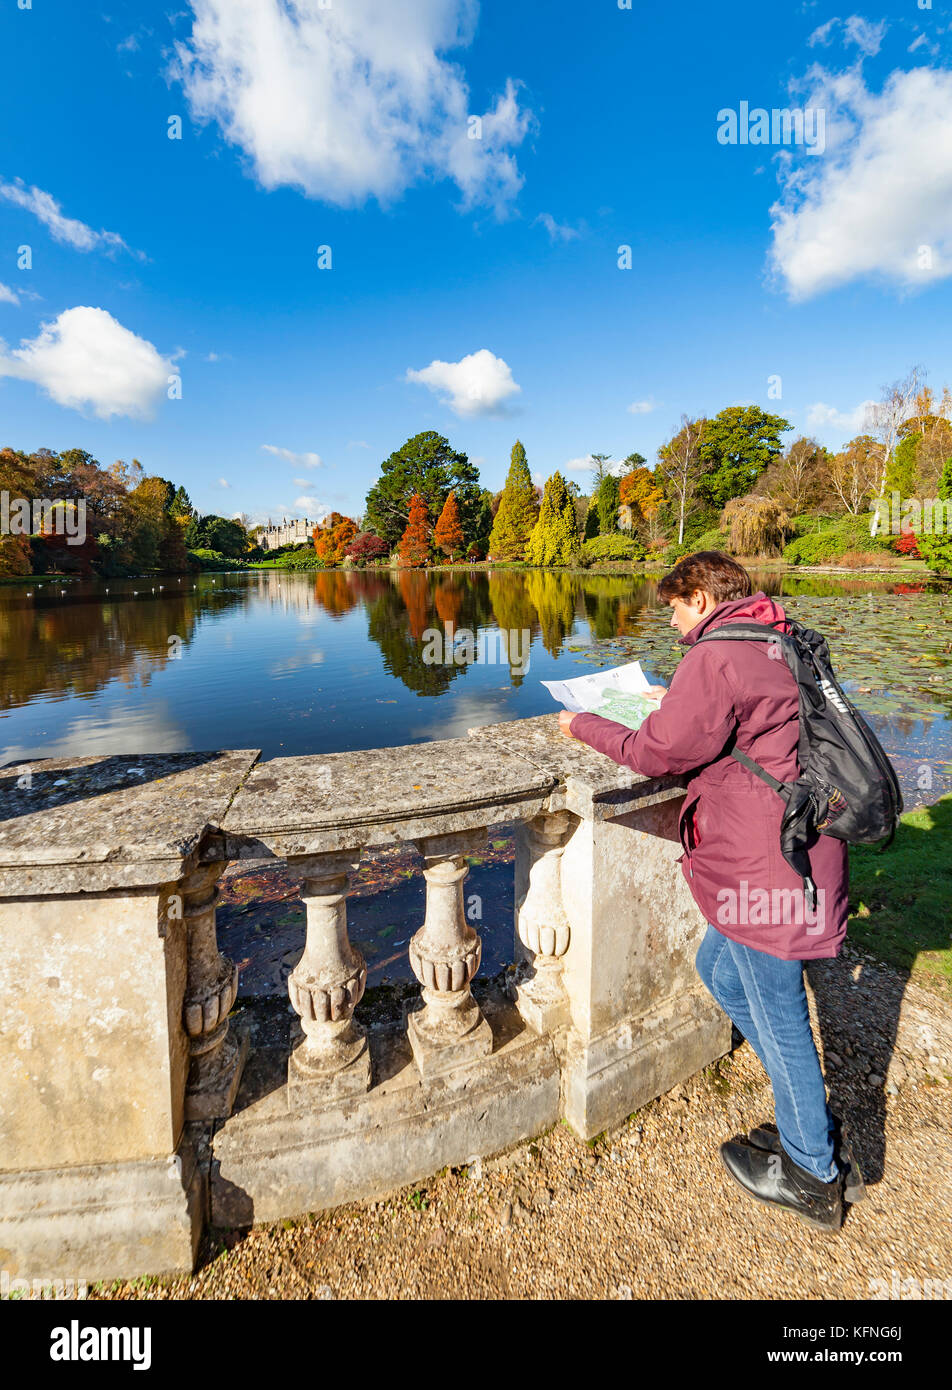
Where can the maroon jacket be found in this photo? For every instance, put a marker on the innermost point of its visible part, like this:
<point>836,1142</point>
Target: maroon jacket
<point>729,823</point>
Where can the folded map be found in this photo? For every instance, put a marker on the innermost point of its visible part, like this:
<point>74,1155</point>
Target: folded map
<point>618,694</point>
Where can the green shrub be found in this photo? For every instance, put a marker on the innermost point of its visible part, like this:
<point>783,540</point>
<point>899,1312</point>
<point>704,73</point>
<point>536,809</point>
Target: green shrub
<point>936,550</point>
<point>715,539</point>
<point>612,547</point>
<point>834,540</point>
<point>214,560</point>
<point>305,558</point>
<point>674,553</point>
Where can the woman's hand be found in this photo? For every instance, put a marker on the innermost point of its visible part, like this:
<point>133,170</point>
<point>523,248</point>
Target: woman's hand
<point>565,721</point>
<point>656,692</point>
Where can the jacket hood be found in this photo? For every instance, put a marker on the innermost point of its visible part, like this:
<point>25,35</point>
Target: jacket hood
<point>756,609</point>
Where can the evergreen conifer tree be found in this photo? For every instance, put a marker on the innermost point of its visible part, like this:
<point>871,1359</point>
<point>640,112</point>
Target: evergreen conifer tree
<point>517,512</point>
<point>607,502</point>
<point>554,538</point>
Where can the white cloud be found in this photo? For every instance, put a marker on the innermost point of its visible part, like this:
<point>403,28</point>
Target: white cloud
<point>8,296</point>
<point>823,34</point>
<point>586,464</point>
<point>867,37</point>
<point>642,407</point>
<point>479,384</point>
<point>350,101</point>
<point>357,444</point>
<point>223,483</point>
<point>826,417</point>
<point>65,229</point>
<point>878,202</point>
<point>86,359</point>
<point>299,460</point>
<point>557,231</point>
<point>310,506</point>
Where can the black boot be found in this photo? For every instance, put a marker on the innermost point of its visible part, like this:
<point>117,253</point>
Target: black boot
<point>765,1136</point>
<point>776,1180</point>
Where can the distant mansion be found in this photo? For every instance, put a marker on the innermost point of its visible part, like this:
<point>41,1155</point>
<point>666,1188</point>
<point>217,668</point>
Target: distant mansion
<point>288,533</point>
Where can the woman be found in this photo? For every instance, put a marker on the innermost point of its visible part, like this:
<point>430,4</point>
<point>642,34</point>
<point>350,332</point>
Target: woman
<point>760,927</point>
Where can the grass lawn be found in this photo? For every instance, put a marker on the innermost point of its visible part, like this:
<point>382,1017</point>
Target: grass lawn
<point>901,898</point>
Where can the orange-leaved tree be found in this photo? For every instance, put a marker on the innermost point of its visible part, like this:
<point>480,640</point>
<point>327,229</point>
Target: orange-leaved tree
<point>448,534</point>
<point>333,538</point>
<point>414,544</point>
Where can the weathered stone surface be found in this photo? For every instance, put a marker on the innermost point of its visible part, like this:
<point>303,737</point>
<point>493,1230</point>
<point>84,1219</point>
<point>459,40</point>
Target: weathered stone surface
<point>94,1054</point>
<point>102,1221</point>
<point>309,805</point>
<point>88,824</point>
<point>268,1163</point>
<point>97,1006</point>
<point>635,933</point>
<point>589,783</point>
<point>607,1078</point>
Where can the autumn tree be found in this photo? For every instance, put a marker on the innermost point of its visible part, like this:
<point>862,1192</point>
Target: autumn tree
<point>448,534</point>
<point>415,543</point>
<point>853,473</point>
<point>679,465</point>
<point>638,491</point>
<point>333,538</point>
<point>799,480</point>
<point>518,511</point>
<point>425,466</point>
<point>886,419</point>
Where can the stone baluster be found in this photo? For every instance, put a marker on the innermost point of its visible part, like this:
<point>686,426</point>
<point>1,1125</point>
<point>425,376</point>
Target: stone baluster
<point>325,986</point>
<point>541,920</point>
<point>450,1029</point>
<point>217,1056</point>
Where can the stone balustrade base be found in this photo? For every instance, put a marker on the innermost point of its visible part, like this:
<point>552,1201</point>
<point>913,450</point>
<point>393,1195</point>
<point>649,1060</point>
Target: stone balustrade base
<point>216,1098</point>
<point>103,1220</point>
<point>269,1163</point>
<point>609,1077</point>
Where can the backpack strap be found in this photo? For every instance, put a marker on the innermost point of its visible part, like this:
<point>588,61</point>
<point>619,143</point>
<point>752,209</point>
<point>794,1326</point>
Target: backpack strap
<point>793,847</point>
<point>758,771</point>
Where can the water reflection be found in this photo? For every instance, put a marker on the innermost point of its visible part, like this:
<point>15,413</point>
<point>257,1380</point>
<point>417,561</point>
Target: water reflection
<point>337,660</point>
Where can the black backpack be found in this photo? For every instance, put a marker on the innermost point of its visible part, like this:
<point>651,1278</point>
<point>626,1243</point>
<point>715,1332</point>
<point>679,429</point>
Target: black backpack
<point>847,786</point>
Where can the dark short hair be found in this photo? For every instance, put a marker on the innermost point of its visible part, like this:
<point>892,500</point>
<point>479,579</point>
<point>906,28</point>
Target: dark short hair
<point>711,570</point>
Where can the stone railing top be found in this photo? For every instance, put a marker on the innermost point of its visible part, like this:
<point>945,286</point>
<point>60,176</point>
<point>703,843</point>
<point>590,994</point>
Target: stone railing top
<point>589,783</point>
<point>312,805</point>
<point>88,824</point>
<point>96,823</point>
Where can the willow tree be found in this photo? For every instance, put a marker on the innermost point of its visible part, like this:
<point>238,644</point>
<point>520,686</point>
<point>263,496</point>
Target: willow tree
<point>756,525</point>
<point>518,510</point>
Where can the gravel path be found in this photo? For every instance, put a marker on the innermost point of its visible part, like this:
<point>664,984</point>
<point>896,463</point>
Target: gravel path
<point>647,1211</point>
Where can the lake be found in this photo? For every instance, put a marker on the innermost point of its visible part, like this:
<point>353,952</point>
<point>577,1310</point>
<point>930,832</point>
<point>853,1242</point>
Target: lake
<point>295,663</point>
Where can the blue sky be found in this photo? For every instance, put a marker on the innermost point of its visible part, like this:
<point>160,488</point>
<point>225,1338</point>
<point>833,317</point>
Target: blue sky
<point>474,285</point>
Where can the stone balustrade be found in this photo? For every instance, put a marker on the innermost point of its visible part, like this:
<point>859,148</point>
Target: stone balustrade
<point>132,1111</point>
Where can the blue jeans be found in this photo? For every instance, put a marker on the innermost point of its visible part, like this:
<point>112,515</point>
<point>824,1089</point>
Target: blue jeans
<point>766,999</point>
